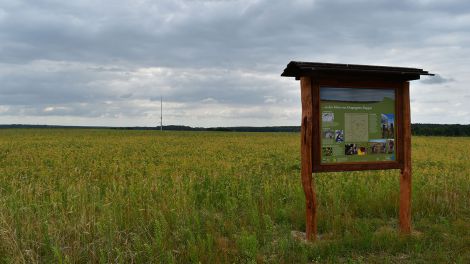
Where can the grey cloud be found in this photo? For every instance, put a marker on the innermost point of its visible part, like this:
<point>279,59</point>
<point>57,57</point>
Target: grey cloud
<point>435,101</point>
<point>127,95</point>
<point>221,34</point>
<point>64,88</point>
<point>45,82</point>
<point>109,55</point>
<point>436,79</point>
<point>166,34</point>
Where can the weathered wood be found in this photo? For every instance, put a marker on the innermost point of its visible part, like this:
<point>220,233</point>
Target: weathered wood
<point>299,68</point>
<point>306,157</point>
<point>405,173</point>
<point>365,82</point>
<point>316,128</point>
<point>399,126</point>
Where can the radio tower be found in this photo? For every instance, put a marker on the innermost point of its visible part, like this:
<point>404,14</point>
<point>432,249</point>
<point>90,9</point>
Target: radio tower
<point>161,113</point>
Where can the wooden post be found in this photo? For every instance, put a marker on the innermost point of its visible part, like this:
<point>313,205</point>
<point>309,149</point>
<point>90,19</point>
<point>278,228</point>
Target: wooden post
<point>306,157</point>
<point>405,173</point>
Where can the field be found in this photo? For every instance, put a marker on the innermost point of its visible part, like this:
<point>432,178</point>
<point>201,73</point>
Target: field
<point>74,196</point>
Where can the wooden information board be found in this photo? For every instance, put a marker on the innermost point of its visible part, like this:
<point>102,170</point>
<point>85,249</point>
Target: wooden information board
<point>354,117</point>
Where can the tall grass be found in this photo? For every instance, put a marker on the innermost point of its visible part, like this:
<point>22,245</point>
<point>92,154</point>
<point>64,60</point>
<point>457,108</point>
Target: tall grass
<point>69,196</point>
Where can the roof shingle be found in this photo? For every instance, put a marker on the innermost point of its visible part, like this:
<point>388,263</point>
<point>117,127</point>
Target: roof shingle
<point>299,68</point>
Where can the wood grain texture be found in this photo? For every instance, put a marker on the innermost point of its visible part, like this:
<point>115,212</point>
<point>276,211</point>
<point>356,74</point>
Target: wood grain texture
<point>316,126</point>
<point>306,157</point>
<point>399,125</point>
<point>405,173</point>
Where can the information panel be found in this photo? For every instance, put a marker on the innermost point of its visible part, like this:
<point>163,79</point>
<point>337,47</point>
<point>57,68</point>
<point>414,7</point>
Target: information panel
<point>357,124</point>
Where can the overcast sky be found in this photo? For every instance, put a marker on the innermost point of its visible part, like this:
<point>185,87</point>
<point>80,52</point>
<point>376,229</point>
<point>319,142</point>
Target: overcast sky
<point>216,62</point>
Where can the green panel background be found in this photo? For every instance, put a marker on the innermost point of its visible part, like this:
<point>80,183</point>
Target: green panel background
<point>387,106</point>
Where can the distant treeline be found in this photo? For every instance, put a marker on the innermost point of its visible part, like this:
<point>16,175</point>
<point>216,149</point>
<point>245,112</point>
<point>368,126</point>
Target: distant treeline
<point>227,129</point>
<point>440,130</point>
<point>416,129</point>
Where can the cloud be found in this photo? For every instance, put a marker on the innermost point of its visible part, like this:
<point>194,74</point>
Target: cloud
<point>214,62</point>
<point>37,89</point>
<point>435,102</point>
<point>436,79</point>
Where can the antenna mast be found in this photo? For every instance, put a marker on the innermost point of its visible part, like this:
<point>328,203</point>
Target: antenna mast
<point>161,113</point>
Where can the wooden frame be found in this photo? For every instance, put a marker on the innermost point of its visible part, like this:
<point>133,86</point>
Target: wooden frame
<point>311,145</point>
<point>312,76</point>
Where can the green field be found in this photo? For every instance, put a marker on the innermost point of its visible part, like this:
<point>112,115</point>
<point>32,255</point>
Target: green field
<point>74,196</point>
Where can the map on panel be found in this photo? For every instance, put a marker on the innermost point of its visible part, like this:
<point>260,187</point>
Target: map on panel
<point>356,127</point>
<point>358,124</point>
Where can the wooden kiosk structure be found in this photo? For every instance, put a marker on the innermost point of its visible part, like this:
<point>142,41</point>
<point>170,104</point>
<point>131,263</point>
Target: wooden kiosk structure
<point>354,117</point>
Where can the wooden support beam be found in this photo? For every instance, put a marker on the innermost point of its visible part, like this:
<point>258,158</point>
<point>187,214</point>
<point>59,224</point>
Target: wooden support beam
<point>306,157</point>
<point>405,173</point>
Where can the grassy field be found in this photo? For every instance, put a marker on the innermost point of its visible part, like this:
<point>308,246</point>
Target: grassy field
<point>69,196</point>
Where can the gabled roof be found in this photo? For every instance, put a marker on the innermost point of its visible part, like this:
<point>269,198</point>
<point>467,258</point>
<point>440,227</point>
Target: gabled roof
<point>300,68</point>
